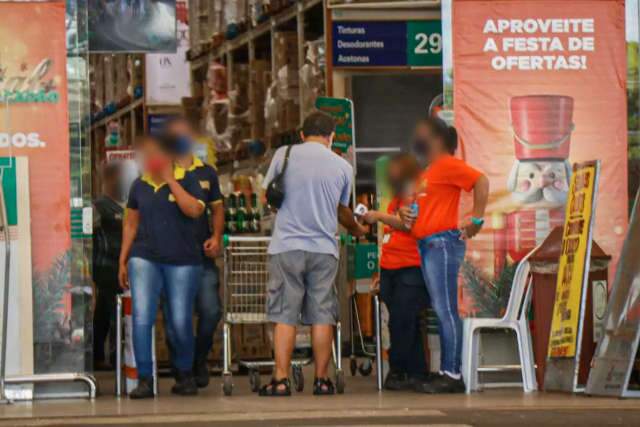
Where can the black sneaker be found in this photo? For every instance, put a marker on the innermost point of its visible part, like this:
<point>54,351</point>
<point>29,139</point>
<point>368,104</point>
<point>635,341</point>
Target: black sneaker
<point>443,383</point>
<point>414,380</point>
<point>396,381</point>
<point>201,372</point>
<point>185,384</point>
<point>144,390</point>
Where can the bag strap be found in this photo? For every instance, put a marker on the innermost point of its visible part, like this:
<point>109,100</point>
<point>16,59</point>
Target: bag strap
<point>286,162</point>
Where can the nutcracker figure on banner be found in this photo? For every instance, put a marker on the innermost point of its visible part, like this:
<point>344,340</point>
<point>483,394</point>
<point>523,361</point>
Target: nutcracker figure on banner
<point>539,179</point>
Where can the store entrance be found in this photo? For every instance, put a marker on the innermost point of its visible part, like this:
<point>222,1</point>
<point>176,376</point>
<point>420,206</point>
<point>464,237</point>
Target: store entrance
<point>386,108</point>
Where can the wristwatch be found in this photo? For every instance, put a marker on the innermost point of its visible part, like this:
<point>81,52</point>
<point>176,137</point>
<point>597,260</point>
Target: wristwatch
<point>477,221</point>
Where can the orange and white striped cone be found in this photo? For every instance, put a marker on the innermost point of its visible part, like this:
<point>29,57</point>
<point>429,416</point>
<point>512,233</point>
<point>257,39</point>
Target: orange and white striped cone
<point>130,371</point>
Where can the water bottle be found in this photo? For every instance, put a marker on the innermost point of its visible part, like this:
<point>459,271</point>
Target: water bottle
<point>414,212</point>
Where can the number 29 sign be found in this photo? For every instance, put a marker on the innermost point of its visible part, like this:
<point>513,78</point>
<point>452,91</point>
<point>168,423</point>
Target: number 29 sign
<point>387,43</point>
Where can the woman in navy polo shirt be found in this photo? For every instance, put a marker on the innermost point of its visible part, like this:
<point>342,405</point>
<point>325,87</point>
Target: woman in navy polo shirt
<point>161,255</point>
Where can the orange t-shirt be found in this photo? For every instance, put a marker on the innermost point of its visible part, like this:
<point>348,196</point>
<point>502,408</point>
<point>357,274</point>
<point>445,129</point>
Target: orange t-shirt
<point>438,195</point>
<point>399,249</point>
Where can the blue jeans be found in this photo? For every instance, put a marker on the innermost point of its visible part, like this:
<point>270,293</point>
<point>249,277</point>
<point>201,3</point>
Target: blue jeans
<point>180,284</point>
<point>208,309</point>
<point>441,255</point>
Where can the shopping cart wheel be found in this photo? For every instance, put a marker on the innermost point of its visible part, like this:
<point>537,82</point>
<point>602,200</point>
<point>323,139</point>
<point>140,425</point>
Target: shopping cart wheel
<point>298,378</point>
<point>353,366</point>
<point>365,368</point>
<point>227,384</point>
<point>340,382</point>
<point>254,380</point>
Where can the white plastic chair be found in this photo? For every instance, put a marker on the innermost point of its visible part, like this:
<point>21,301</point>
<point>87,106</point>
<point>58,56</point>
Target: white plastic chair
<point>515,319</point>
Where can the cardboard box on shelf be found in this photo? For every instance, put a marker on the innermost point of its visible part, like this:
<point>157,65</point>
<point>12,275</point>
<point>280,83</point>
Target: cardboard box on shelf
<point>109,78</point>
<point>248,342</point>
<point>288,115</point>
<point>97,82</point>
<point>286,49</point>
<point>162,351</point>
<point>288,82</point>
<point>260,76</point>
<point>121,77</point>
<point>253,343</point>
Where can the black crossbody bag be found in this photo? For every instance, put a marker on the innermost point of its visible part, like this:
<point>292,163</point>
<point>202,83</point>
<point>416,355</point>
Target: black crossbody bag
<point>275,189</point>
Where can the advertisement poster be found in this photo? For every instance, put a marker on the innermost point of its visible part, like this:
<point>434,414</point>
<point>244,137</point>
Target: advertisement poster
<point>168,76</point>
<point>132,26</point>
<point>33,91</point>
<point>574,262</point>
<point>540,85</point>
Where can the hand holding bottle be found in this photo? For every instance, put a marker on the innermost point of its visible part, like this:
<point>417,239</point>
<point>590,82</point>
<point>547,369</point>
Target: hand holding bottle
<point>409,214</point>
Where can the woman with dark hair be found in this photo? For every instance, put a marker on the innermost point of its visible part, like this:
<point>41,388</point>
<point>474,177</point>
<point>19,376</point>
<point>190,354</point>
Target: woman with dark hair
<point>441,240</point>
<point>402,286</point>
<point>161,256</point>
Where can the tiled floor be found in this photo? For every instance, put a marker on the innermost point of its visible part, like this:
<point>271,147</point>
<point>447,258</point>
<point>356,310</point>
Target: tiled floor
<point>360,404</point>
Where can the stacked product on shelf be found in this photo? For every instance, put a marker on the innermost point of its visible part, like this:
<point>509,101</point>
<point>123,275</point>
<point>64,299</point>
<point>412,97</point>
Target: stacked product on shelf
<point>312,75</point>
<point>282,109</point>
<point>117,81</point>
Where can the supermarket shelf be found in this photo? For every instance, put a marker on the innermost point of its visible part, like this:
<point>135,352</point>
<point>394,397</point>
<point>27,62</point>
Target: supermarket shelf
<point>237,165</point>
<point>242,40</point>
<point>121,112</point>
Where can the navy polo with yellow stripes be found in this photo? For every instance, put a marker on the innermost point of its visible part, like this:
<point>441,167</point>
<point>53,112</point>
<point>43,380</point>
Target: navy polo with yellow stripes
<point>165,235</point>
<point>209,183</point>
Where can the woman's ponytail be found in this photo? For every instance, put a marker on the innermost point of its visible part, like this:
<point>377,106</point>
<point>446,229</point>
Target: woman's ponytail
<point>452,139</point>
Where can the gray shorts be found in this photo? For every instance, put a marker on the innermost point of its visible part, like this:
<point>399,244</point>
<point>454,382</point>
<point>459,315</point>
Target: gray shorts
<point>301,288</point>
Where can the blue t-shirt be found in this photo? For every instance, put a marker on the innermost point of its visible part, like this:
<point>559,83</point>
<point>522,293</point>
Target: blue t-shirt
<point>207,178</point>
<point>165,235</point>
<point>315,183</point>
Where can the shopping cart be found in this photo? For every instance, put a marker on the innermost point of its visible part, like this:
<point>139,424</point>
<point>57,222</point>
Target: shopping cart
<point>245,297</point>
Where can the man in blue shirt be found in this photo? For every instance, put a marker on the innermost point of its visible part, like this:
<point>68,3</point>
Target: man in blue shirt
<point>180,136</point>
<point>304,250</point>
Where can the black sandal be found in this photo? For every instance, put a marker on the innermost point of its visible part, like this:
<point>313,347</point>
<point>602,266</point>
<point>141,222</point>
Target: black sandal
<point>274,388</point>
<point>323,387</point>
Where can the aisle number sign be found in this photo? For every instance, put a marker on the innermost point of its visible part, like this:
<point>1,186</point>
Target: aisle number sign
<point>387,43</point>
<point>573,268</point>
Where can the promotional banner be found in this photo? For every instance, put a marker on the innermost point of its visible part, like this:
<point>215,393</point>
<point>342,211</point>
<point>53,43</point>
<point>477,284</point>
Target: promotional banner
<point>132,26</point>
<point>573,267</point>
<point>34,117</point>
<point>34,130</point>
<point>168,76</point>
<point>539,85</point>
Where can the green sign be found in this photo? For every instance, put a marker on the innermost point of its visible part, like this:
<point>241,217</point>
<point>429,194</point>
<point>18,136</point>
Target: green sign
<point>424,43</point>
<point>9,186</point>
<point>342,111</point>
<point>362,259</point>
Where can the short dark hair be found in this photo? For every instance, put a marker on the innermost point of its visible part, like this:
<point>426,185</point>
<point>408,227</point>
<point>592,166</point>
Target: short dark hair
<point>153,140</point>
<point>318,124</point>
<point>448,134</point>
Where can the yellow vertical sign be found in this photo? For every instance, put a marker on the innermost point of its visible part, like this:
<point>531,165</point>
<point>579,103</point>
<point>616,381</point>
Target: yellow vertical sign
<point>573,265</point>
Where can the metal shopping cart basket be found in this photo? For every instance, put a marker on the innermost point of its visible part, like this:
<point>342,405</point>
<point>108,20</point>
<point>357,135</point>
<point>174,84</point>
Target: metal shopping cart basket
<point>245,296</point>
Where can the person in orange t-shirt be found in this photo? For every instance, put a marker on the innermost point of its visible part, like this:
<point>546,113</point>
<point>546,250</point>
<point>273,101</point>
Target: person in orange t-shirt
<point>402,286</point>
<point>441,241</point>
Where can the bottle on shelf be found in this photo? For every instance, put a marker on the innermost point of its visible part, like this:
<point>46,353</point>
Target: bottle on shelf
<point>255,220</point>
<point>230,213</point>
<point>241,214</point>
